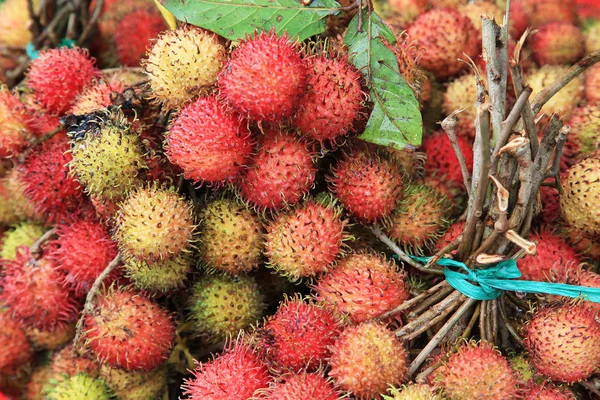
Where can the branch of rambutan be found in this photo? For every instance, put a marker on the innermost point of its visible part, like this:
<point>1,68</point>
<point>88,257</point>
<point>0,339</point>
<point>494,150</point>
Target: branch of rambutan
<point>36,247</point>
<point>89,300</point>
<point>590,386</point>
<point>449,126</point>
<point>443,286</point>
<point>507,322</point>
<point>48,32</point>
<point>401,254</point>
<point>440,335</point>
<point>562,81</point>
<point>408,333</point>
<point>554,170</point>
<point>35,26</point>
<point>443,251</point>
<point>89,26</point>
<point>430,301</point>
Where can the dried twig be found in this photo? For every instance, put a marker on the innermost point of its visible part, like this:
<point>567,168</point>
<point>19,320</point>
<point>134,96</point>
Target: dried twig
<point>36,247</point>
<point>433,312</point>
<point>443,285</point>
<point>449,126</point>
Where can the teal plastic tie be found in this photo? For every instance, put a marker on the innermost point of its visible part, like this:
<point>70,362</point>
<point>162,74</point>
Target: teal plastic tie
<point>489,283</point>
<point>33,53</point>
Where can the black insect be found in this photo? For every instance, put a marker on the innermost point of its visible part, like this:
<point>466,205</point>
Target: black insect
<point>78,126</point>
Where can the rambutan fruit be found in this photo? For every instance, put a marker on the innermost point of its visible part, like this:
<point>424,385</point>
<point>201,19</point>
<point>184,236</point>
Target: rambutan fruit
<point>36,293</point>
<point>332,101</point>
<point>82,250</point>
<point>447,3</point>
<point>554,261</point>
<point>298,336</point>
<point>14,130</point>
<point>154,224</point>
<point>454,230</point>
<point>406,11</point>
<point>183,63</point>
<point>23,207</point>
<point>592,84</point>
<point>14,24</point>
<point>22,234</point>
<point>539,12</point>
<point>585,124</point>
<point>565,102</point>
<point>441,157</point>
<point>223,306</point>
<point>550,206</point>
<point>477,370</point>
<point>446,35</point>
<point>591,34</point>
<point>590,279</point>
<point>367,359</point>
<point>301,386</point>
<point>269,97</point>
<point>305,240</point>
<point>236,374</point>
<point>58,76</point>
<point>522,367</point>
<point>50,339</point>
<point>15,349</point>
<point>39,378</point>
<point>580,197</point>
<point>69,362</point>
<point>129,331</point>
<point>108,159</point>
<point>588,246</point>
<point>546,391</point>
<point>135,385</point>
<point>419,218</point>
<point>96,97</point>
<point>474,11</point>
<point>460,95</point>
<point>366,183</point>
<point>77,386</point>
<point>158,276</point>
<point>363,286</point>
<point>280,173</point>
<point>556,43</point>
<point>564,342</point>
<point>50,186</point>
<point>147,23</point>
<point>8,215</point>
<point>413,392</point>
<point>410,161</point>
<point>230,237</point>
<point>208,142</point>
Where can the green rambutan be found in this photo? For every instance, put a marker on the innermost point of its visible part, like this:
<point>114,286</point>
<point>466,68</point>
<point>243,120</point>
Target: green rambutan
<point>23,207</point>
<point>154,224</point>
<point>306,240</point>
<point>580,197</point>
<point>363,286</point>
<point>223,306</point>
<point>8,215</point>
<point>564,342</point>
<point>135,385</point>
<point>592,84</point>
<point>158,276</point>
<point>460,95</point>
<point>183,63</point>
<point>367,359</point>
<point>230,237</point>
<point>268,97</point>
<point>585,124</point>
<point>79,386</point>
<point>129,331</point>
<point>565,102</point>
<point>208,142</point>
<point>413,392</point>
<point>22,234</point>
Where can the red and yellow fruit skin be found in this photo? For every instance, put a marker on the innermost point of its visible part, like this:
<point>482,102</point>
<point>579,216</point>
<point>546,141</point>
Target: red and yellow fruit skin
<point>362,286</point>
<point>82,251</point>
<point>557,43</point>
<point>413,391</point>
<point>280,173</point>
<point>332,101</point>
<point>566,100</point>
<point>442,158</point>
<point>134,385</point>
<point>208,142</point>
<point>534,13</point>
<point>592,84</point>
<point>261,96</point>
<point>59,75</point>
<point>301,385</point>
<point>96,97</point>
<point>584,124</point>
<point>15,349</point>
<point>15,131</point>
<point>477,370</point>
<point>129,331</point>
<point>68,362</point>
<point>36,293</point>
<point>298,336</point>
<point>446,35</point>
<point>580,197</point>
<point>237,374</point>
<point>564,342</point>
<point>367,359</point>
<point>147,23</point>
<point>366,183</point>
<point>546,391</point>
<point>14,24</point>
<point>52,339</point>
<point>306,240</point>
<point>590,279</point>
<point>554,261</point>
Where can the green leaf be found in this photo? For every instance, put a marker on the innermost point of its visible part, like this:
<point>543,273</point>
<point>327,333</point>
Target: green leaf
<point>234,19</point>
<point>396,119</point>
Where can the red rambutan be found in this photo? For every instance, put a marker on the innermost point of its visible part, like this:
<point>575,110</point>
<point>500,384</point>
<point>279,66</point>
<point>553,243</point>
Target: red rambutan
<point>280,173</point>
<point>129,331</point>
<point>592,84</point>
<point>82,251</point>
<point>557,42</point>
<point>450,236</point>
<point>147,23</point>
<point>14,130</point>
<point>546,391</point>
<point>234,375</point>
<point>363,286</point>
<point>261,96</point>
<point>36,293</point>
<point>210,143</point>
<point>15,349</point>
<point>298,336</point>
<point>366,183</point>
<point>333,100</point>
<point>68,362</point>
<point>441,157</point>
<point>59,75</point>
<point>96,97</point>
<point>302,386</point>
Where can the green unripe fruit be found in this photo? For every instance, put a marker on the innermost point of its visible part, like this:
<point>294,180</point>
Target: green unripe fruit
<point>230,238</point>
<point>108,160</point>
<point>79,387</point>
<point>160,276</point>
<point>135,385</point>
<point>223,306</point>
<point>154,224</point>
<point>23,234</point>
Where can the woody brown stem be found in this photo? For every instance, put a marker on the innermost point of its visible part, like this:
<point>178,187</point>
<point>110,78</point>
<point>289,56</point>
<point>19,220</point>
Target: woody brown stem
<point>442,286</point>
<point>433,312</point>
